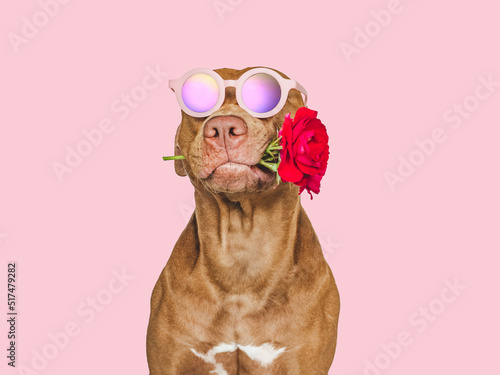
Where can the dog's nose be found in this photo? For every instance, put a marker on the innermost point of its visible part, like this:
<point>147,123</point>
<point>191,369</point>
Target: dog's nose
<point>225,131</point>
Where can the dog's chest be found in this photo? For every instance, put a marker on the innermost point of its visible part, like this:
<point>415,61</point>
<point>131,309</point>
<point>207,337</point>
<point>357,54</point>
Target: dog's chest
<point>245,344</point>
<point>240,318</point>
<point>227,359</point>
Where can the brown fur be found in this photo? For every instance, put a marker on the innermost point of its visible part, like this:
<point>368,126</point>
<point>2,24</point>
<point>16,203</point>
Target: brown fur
<point>247,269</point>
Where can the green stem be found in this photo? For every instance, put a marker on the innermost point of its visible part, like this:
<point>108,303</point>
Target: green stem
<point>271,166</point>
<point>178,157</point>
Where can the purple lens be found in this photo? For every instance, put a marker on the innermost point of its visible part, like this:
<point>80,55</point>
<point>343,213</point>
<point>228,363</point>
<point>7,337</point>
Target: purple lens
<point>261,92</point>
<point>200,92</point>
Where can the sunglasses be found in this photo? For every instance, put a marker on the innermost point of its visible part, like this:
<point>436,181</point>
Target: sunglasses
<point>261,92</point>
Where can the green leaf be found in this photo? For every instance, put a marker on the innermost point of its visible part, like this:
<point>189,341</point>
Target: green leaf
<point>271,166</point>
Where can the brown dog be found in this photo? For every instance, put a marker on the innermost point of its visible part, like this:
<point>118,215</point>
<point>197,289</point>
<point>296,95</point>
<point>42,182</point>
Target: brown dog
<point>246,289</point>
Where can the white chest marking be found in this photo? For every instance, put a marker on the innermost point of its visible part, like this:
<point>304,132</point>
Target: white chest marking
<point>264,355</point>
<point>210,356</point>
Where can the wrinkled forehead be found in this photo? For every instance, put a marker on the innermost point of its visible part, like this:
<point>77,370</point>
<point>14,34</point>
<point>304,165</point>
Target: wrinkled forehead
<point>228,73</point>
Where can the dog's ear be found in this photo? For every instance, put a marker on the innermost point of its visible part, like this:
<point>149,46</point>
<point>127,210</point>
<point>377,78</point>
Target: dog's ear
<point>179,164</point>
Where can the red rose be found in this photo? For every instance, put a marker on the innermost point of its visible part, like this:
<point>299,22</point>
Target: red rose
<point>305,152</point>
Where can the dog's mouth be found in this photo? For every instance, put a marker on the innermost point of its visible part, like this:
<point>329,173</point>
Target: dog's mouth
<point>238,177</point>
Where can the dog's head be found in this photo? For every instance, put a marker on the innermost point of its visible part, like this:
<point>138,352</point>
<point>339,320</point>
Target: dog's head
<point>223,150</point>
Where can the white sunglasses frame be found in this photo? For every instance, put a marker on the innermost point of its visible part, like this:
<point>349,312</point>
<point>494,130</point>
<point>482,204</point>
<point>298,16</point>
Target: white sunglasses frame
<point>285,84</point>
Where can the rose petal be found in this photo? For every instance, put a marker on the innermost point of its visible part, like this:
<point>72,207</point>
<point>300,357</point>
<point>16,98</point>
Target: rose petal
<point>288,171</point>
<point>304,112</point>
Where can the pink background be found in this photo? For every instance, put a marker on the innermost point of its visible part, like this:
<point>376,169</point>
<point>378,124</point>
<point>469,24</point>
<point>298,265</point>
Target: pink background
<point>122,207</point>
